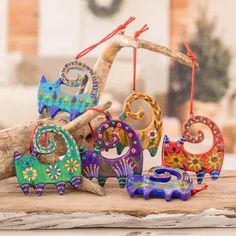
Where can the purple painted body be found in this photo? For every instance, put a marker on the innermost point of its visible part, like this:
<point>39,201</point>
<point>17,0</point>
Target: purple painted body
<point>95,165</point>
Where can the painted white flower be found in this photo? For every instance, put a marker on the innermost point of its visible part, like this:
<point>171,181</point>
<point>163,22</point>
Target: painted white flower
<point>152,134</point>
<point>53,172</point>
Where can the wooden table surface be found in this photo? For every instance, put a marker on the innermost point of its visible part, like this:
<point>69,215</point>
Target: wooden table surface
<point>215,207</point>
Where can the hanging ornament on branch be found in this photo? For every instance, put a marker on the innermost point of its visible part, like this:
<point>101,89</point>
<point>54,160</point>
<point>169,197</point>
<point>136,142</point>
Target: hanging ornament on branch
<point>175,155</point>
<point>51,96</point>
<point>151,135</point>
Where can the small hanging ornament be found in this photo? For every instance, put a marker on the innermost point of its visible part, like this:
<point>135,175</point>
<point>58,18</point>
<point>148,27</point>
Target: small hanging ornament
<point>95,165</point>
<point>51,96</point>
<point>151,135</point>
<point>175,155</point>
<point>31,172</point>
<point>158,183</point>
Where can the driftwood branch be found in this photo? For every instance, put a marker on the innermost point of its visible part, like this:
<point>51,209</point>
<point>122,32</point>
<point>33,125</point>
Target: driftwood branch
<point>104,62</point>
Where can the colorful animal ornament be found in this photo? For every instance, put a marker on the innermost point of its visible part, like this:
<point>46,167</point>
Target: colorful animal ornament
<point>158,183</point>
<point>51,96</point>
<point>175,155</point>
<point>150,136</point>
<point>95,165</point>
<point>31,172</point>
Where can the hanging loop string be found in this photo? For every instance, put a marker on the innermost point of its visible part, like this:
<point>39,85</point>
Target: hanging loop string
<point>114,32</point>
<point>136,35</point>
<point>107,115</point>
<point>192,56</point>
<point>195,191</point>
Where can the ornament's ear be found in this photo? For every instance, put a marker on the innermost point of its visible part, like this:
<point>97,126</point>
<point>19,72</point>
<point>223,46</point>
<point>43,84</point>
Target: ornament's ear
<point>166,139</point>
<point>43,80</point>
<point>181,140</point>
<point>17,156</point>
<point>58,82</point>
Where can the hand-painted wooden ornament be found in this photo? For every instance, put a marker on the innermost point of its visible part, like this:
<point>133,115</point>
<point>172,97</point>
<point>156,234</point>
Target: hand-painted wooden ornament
<point>95,165</point>
<point>51,96</point>
<point>175,155</point>
<point>150,136</point>
<point>31,172</point>
<point>158,183</point>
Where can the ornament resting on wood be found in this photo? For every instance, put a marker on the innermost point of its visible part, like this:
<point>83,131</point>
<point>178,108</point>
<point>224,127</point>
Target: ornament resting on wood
<point>175,155</point>
<point>50,94</point>
<point>31,172</point>
<point>159,183</point>
<point>95,165</point>
<point>150,136</point>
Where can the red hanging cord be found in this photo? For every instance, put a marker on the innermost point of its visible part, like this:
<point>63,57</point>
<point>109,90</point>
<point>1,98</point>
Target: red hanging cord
<point>120,27</point>
<point>90,126</point>
<point>136,35</point>
<point>192,56</point>
<point>195,191</point>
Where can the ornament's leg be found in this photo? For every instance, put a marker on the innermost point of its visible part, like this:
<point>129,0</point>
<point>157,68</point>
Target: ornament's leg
<point>53,110</point>
<point>184,196</point>
<point>73,114</point>
<point>168,195</point>
<point>25,188</point>
<point>120,147</point>
<point>39,189</point>
<point>122,181</point>
<point>132,192</point>
<point>61,187</point>
<point>102,180</point>
<point>200,175</point>
<point>41,106</point>
<point>75,181</point>
<point>146,193</point>
<point>153,151</point>
<point>215,174</point>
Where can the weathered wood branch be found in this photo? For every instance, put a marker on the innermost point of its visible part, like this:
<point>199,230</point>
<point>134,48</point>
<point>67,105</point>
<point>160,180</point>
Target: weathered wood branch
<point>103,65</point>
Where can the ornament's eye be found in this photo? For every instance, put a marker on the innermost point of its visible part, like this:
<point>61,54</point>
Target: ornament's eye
<point>84,157</point>
<point>179,145</point>
<point>167,145</point>
<point>20,162</point>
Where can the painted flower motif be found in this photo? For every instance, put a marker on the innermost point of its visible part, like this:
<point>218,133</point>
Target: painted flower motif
<point>194,163</point>
<point>30,174</point>
<point>214,160</point>
<point>72,165</point>
<point>175,160</point>
<point>88,100</point>
<point>66,99</point>
<point>53,172</point>
<point>152,134</point>
<point>47,97</point>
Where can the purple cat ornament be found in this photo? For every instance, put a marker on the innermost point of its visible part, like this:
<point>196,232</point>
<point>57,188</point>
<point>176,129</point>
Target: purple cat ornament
<point>95,165</point>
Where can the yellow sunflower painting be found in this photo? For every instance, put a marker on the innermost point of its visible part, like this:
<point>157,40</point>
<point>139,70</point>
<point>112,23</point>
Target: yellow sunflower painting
<point>72,165</point>
<point>194,163</point>
<point>175,160</point>
<point>215,160</point>
<point>30,174</point>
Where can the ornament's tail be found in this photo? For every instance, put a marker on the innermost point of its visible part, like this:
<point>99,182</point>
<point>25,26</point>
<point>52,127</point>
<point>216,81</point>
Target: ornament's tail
<point>51,144</point>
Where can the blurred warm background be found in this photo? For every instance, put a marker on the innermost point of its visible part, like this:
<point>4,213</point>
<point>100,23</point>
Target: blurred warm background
<point>39,36</point>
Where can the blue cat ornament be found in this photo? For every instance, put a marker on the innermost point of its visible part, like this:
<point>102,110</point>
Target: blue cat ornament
<point>161,182</point>
<point>51,96</point>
